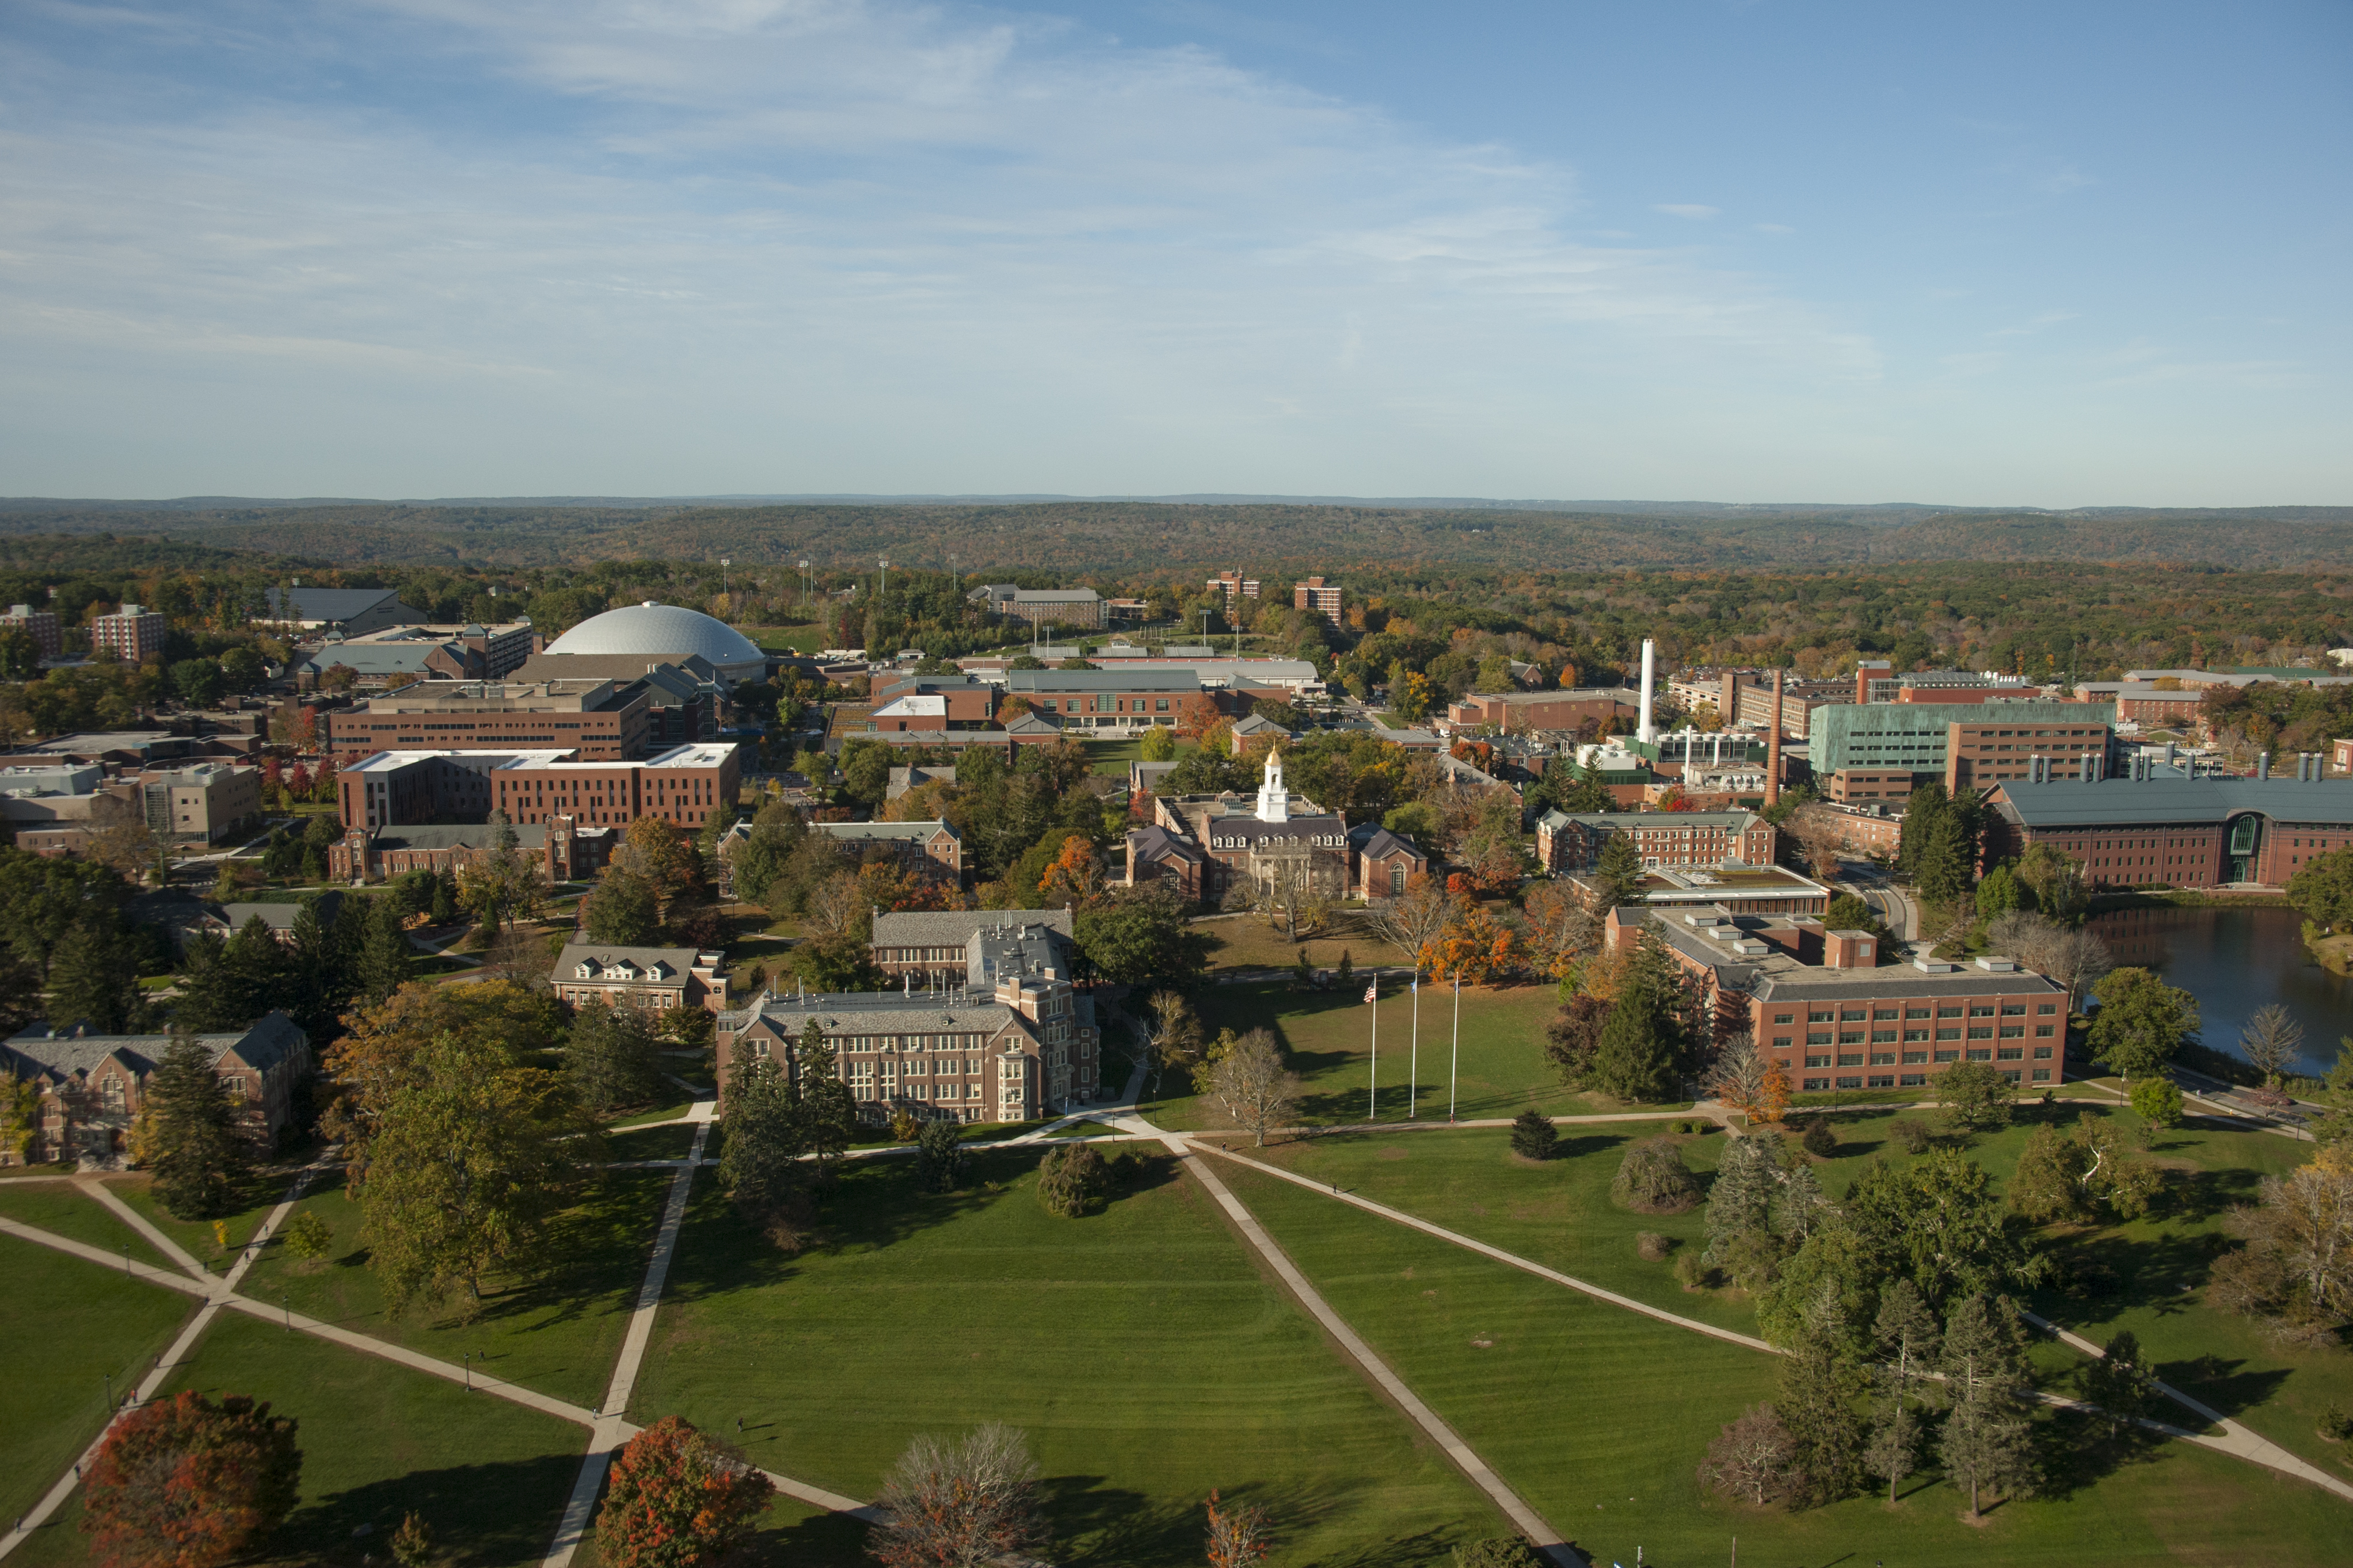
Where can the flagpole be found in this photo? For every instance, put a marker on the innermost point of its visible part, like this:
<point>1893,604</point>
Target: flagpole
<point>1413,1061</point>
<point>1373,994</point>
<point>1454,1067</point>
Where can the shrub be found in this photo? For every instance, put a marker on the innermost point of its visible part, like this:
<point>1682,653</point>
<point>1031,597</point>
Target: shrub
<point>1653,1179</point>
<point>1499,1551</point>
<point>939,1156</point>
<point>1912,1135</point>
<point>1652,1247</point>
<point>1691,1271</point>
<point>1533,1137</point>
<point>1818,1138</point>
<point>1753,1459</point>
<point>2334,1425</point>
<point>904,1128</point>
<point>308,1236</point>
<point>1072,1181</point>
<point>412,1543</point>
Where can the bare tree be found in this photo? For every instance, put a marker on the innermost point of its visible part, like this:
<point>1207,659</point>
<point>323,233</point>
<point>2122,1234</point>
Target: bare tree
<point>2271,1042</point>
<point>1745,1080</point>
<point>1820,840</point>
<point>1291,885</point>
<point>836,903</point>
<point>2069,954</point>
<point>1416,917</point>
<point>1753,1458</point>
<point>960,1503</point>
<point>1238,1533</point>
<point>1252,1085</point>
<point>1175,1032</point>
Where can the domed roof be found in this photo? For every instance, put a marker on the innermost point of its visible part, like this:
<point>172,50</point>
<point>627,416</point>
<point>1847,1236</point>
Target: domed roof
<point>653,629</point>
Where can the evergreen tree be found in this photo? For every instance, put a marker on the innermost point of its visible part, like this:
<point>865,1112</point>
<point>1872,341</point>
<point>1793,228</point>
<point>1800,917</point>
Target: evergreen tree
<point>1746,1176</point>
<point>200,1158</point>
<point>1533,1137</point>
<point>93,978</point>
<point>2120,1381</point>
<point>443,908</point>
<point>1986,1440</point>
<point>1642,1045</point>
<point>1620,872</point>
<point>1921,811</point>
<point>383,965</point>
<point>1798,1205</point>
<point>939,1156</point>
<point>1999,894</point>
<point>612,1058</point>
<point>759,1164</point>
<point>313,987</point>
<point>1816,1403</point>
<point>624,910</point>
<point>829,1114</point>
<point>1946,871</point>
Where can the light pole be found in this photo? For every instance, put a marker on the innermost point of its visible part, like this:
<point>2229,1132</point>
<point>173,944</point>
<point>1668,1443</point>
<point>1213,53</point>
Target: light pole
<point>723,565</point>
<point>806,584</point>
<point>885,588</point>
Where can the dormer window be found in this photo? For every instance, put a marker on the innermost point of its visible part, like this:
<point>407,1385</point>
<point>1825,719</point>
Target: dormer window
<point>586,971</point>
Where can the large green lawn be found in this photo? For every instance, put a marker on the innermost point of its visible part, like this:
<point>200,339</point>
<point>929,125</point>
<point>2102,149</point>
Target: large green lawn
<point>379,1440</point>
<point>2133,1276</point>
<point>58,1207</point>
<point>1328,1035</point>
<point>1140,1348</point>
<point>68,1324</point>
<point>1599,1417</point>
<point>558,1333</point>
<point>202,1238</point>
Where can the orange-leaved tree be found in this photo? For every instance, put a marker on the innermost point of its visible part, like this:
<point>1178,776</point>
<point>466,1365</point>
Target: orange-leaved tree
<point>186,1483</point>
<point>1076,875</point>
<point>1474,945</point>
<point>677,1499</point>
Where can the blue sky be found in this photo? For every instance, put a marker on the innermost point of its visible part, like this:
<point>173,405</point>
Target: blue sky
<point>1988,254</point>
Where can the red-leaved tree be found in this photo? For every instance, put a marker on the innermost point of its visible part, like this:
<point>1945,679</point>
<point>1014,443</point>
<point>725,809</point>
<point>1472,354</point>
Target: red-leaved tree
<point>186,1483</point>
<point>677,1499</point>
<point>960,1503</point>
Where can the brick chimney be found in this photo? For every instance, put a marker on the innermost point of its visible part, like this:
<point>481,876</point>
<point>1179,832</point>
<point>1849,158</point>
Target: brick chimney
<point>1773,747</point>
<point>1849,950</point>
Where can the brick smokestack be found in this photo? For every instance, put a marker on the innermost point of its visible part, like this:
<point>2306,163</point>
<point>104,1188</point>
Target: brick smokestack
<point>1773,747</point>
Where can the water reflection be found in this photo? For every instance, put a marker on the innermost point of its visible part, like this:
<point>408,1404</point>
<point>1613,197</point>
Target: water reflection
<point>2235,960</point>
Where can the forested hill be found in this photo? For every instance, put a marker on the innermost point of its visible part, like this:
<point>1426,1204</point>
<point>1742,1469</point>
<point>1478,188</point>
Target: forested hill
<point>1143,537</point>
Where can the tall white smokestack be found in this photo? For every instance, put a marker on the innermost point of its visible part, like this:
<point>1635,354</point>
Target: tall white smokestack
<point>1647,732</point>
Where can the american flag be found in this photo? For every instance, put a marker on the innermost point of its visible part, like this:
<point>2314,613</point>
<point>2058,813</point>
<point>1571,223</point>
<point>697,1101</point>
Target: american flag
<point>1373,990</point>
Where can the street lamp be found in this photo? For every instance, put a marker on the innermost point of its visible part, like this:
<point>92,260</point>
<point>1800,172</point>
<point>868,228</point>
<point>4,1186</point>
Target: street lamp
<point>723,565</point>
<point>806,584</point>
<point>885,586</point>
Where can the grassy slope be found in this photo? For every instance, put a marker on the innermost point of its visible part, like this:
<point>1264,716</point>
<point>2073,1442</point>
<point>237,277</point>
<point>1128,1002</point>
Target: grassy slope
<point>1328,1035</point>
<point>650,1142</point>
<point>558,1334</point>
<point>1599,1417</point>
<point>377,1441</point>
<point>54,1392</point>
<point>56,1207</point>
<point>1139,1348</point>
<point>1245,941</point>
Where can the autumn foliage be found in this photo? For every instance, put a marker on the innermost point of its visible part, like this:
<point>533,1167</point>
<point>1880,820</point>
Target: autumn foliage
<point>676,1499</point>
<point>186,1483</point>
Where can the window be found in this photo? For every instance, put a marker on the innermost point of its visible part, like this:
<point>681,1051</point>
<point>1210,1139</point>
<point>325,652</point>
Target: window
<point>1817,1039</point>
<point>2042,1075</point>
<point>1817,1018</point>
<point>1882,1058</point>
<point>1855,1082</point>
<point>1785,1018</point>
<point>2044,1031</point>
<point>2011,1053</point>
<point>1948,1056</point>
<point>1910,1035</point>
<point>1882,1080</point>
<point>1782,1043</point>
<point>2046,1009</point>
<point>1817,1083</point>
<point>1849,1059</point>
<point>1980,1031</point>
<point>1851,1015</point>
<point>1850,1036</point>
<point>2042,1053</point>
<point>1882,1036</point>
<point>1913,1080</point>
<point>2013,1009</point>
<point>1948,1034</point>
<point>1914,1056</point>
<point>1980,1011</point>
<point>1818,1060</point>
<point>1980,1054</point>
<point>1948,1012</point>
<point>1915,1012</point>
<point>2013,1031</point>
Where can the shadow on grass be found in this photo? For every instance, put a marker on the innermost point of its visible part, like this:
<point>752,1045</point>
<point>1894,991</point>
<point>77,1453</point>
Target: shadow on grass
<point>1100,1526</point>
<point>2116,1273</point>
<point>480,1515</point>
<point>2074,1450</point>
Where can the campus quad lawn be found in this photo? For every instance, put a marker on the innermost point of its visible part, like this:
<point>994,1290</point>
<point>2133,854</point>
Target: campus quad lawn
<point>1328,1036</point>
<point>671,1143</point>
<point>377,1440</point>
<point>61,1208</point>
<point>68,1323</point>
<point>261,1192</point>
<point>1599,1418</point>
<point>1247,942</point>
<point>1559,1213</point>
<point>559,1334</point>
<point>1139,1348</point>
<point>668,1111</point>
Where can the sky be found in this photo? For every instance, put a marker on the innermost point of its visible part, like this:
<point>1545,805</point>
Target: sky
<point>1737,250</point>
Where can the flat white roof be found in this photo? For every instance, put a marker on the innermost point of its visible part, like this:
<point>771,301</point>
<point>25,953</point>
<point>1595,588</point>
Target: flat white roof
<point>706,754</point>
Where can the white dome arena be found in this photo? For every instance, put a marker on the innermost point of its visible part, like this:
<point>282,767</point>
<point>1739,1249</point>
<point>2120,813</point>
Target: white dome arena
<point>655,629</point>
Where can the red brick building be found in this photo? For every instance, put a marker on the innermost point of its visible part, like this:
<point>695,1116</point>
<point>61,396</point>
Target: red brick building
<point>2175,831</point>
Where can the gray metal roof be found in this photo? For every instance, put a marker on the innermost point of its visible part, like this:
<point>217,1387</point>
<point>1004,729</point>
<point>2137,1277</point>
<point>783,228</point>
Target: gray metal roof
<point>281,917</point>
<point>1054,682</point>
<point>954,928</point>
<point>883,831</point>
<point>329,604</point>
<point>878,1012</point>
<point>2157,801</point>
<point>270,1040</point>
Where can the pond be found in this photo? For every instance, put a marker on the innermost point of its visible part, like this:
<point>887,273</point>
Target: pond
<point>2235,960</point>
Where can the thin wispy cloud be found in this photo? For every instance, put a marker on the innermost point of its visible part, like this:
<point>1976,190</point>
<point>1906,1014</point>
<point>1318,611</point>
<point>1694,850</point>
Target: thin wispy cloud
<point>1692,210</point>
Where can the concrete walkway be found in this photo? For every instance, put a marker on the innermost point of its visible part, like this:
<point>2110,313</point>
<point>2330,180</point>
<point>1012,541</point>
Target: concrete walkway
<point>1526,1520</point>
<point>608,1433</point>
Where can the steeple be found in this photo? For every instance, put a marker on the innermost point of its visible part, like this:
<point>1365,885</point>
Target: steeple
<point>1274,798</point>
